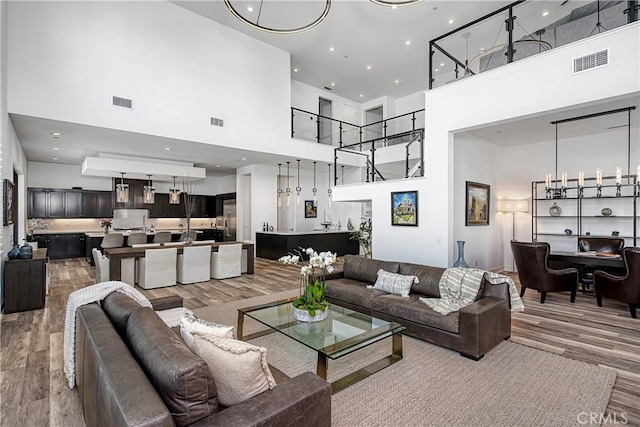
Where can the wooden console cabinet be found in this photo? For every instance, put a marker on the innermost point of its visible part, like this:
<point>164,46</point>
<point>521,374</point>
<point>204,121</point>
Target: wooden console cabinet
<point>25,283</point>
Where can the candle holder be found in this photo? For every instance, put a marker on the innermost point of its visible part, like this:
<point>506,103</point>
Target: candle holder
<point>556,193</point>
<point>599,191</point>
<point>547,194</point>
<point>580,192</point>
<point>618,190</point>
<point>563,192</point>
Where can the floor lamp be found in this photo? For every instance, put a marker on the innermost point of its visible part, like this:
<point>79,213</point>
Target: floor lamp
<point>513,207</point>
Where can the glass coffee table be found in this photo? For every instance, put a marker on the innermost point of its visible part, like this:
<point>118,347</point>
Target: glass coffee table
<point>343,332</point>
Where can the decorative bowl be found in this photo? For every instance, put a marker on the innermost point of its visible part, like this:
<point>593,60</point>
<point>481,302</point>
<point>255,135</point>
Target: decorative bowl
<point>606,211</point>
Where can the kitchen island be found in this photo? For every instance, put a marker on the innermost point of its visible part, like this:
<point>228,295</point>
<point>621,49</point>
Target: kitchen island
<point>273,245</point>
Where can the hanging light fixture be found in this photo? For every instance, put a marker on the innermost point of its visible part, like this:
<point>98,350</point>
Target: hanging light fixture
<point>257,25</point>
<point>279,189</point>
<point>174,193</point>
<point>329,190</point>
<point>315,190</point>
<point>149,193</point>
<point>298,188</point>
<point>342,171</point>
<point>122,190</point>
<point>288,190</point>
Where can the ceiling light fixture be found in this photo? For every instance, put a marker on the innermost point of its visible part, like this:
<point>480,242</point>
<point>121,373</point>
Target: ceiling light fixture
<point>174,193</point>
<point>279,189</point>
<point>408,42</point>
<point>329,189</point>
<point>55,148</point>
<point>298,188</point>
<point>397,81</point>
<point>249,9</point>
<point>331,49</point>
<point>295,70</point>
<point>55,158</point>
<point>56,134</point>
<point>395,4</point>
<point>315,190</point>
<point>545,13</point>
<point>260,27</point>
<point>122,190</point>
<point>167,148</point>
<point>149,193</point>
<point>368,67</point>
<point>451,21</point>
<point>288,189</point>
<point>361,96</point>
<point>333,84</point>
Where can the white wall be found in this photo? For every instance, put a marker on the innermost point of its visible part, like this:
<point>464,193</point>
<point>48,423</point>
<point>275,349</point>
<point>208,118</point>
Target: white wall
<point>479,161</point>
<point>536,85</point>
<point>67,59</point>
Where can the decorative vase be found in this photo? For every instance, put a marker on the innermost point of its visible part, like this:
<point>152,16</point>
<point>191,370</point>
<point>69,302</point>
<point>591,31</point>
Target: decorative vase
<point>14,253</point>
<point>461,262</point>
<point>106,230</point>
<point>26,252</point>
<point>304,316</point>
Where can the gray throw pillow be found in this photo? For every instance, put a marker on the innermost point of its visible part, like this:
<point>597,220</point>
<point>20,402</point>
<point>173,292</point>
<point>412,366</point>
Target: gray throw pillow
<point>394,283</point>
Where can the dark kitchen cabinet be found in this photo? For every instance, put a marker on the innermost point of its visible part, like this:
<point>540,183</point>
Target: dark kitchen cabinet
<point>174,211</point>
<point>57,246</point>
<point>56,201</point>
<point>63,245</point>
<point>199,208</point>
<point>104,204</point>
<point>72,204</point>
<point>89,204</point>
<point>37,204</point>
<point>51,203</point>
<point>155,210</point>
<point>135,200</point>
<point>75,245</point>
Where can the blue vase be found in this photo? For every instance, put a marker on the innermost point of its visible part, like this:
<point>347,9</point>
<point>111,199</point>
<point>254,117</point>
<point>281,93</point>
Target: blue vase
<point>14,253</point>
<point>26,252</point>
<point>461,262</point>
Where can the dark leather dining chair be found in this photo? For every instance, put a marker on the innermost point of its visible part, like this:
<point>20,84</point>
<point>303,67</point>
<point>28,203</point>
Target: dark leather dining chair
<point>532,262</point>
<point>624,288</point>
<point>606,245</point>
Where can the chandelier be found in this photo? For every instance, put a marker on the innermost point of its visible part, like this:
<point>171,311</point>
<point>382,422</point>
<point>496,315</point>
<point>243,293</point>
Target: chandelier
<point>149,193</point>
<point>122,190</point>
<point>257,25</point>
<point>174,193</point>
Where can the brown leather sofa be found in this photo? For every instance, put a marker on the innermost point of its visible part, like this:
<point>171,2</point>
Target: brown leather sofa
<point>126,362</point>
<point>473,331</point>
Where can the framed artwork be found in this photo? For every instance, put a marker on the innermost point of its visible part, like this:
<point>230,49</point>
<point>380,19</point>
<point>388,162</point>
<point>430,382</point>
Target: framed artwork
<point>477,204</point>
<point>9,203</point>
<point>404,208</point>
<point>310,210</point>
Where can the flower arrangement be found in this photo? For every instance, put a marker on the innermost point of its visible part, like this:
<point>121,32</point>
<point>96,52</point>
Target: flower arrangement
<point>35,224</point>
<point>363,236</point>
<point>312,278</point>
<point>106,223</point>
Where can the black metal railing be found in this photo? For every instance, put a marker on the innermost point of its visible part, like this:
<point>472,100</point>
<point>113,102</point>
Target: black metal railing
<point>519,30</point>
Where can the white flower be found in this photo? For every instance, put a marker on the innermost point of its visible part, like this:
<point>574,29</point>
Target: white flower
<point>330,269</point>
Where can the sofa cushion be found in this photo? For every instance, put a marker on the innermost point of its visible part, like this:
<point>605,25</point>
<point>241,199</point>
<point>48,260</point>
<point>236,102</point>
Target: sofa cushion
<point>181,378</point>
<point>428,278</point>
<point>366,269</point>
<point>118,306</point>
<point>190,324</point>
<point>239,369</point>
<point>394,283</point>
<point>411,309</point>
<point>351,291</point>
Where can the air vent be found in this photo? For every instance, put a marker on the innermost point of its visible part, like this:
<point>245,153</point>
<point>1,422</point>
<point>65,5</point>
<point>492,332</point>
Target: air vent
<point>328,88</point>
<point>217,122</point>
<point>122,102</point>
<point>591,61</point>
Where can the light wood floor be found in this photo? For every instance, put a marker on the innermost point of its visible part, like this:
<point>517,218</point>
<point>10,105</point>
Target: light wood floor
<point>33,391</point>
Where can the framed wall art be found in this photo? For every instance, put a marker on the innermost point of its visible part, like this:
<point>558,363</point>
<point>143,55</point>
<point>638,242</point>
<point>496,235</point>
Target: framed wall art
<point>404,208</point>
<point>310,209</point>
<point>477,204</point>
<point>9,209</point>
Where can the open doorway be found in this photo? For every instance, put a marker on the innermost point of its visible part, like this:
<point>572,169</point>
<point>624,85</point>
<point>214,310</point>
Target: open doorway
<point>373,122</point>
<point>325,109</point>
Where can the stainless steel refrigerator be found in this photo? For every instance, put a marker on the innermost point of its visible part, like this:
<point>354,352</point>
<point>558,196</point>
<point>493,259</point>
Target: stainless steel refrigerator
<point>229,213</point>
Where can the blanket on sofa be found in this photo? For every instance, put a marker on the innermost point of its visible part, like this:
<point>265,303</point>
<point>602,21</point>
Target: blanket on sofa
<point>81,297</point>
<point>459,287</point>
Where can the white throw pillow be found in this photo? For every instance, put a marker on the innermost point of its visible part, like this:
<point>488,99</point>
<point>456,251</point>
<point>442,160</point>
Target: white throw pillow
<point>190,324</point>
<point>239,369</point>
<point>393,283</point>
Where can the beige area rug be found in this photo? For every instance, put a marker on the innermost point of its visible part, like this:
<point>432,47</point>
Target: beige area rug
<point>513,385</point>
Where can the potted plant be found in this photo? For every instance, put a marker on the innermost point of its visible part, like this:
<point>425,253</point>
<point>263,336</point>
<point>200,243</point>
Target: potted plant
<point>363,236</point>
<point>34,224</point>
<point>311,305</point>
<point>106,223</point>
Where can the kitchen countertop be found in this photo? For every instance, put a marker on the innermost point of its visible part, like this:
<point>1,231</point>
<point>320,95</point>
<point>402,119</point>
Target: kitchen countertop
<point>100,233</point>
<point>298,233</point>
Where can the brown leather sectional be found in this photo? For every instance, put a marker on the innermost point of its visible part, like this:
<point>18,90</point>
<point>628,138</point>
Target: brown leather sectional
<point>132,370</point>
<point>473,331</point>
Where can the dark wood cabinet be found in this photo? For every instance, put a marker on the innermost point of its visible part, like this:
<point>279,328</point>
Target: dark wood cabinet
<point>155,210</point>
<point>72,245</point>
<point>104,204</point>
<point>89,204</point>
<point>49,203</point>
<point>73,204</point>
<point>199,208</point>
<point>57,246</point>
<point>25,283</point>
<point>38,204</point>
<point>75,245</point>
<point>56,200</point>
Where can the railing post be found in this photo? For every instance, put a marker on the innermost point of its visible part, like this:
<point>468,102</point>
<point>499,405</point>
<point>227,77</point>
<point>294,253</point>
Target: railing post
<point>340,141</point>
<point>632,11</point>
<point>373,162</point>
<point>318,128</point>
<point>509,28</point>
<point>431,52</point>
<point>368,170</point>
<point>406,166</point>
<point>413,121</point>
<point>292,124</point>
<point>335,170</point>
<point>422,153</point>
<point>360,127</point>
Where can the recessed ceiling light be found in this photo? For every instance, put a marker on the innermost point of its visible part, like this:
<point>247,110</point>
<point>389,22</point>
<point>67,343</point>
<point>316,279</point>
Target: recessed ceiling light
<point>249,9</point>
<point>333,84</point>
<point>394,7</point>
<point>408,42</point>
<point>331,49</point>
<point>397,81</point>
<point>545,13</point>
<point>167,148</point>
<point>217,166</point>
<point>437,69</point>
<point>244,158</point>
<point>295,70</point>
<point>481,49</point>
<point>442,64</point>
<point>361,96</point>
<point>55,158</point>
<point>55,148</point>
<point>56,134</point>
<point>368,67</point>
<point>451,21</point>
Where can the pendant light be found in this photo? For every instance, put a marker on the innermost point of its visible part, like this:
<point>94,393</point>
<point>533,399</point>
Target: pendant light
<point>288,190</point>
<point>329,190</point>
<point>315,190</point>
<point>279,189</point>
<point>174,193</point>
<point>149,193</point>
<point>122,190</point>
<point>298,188</point>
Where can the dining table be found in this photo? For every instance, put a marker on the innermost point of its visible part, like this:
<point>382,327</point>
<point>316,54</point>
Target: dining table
<point>116,255</point>
<point>592,261</point>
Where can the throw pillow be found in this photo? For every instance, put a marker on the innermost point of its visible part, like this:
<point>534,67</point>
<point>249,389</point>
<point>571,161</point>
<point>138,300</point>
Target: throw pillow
<point>394,283</point>
<point>239,369</point>
<point>190,324</point>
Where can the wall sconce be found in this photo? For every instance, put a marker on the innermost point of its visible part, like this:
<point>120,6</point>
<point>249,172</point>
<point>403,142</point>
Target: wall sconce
<point>174,193</point>
<point>149,193</point>
<point>122,190</point>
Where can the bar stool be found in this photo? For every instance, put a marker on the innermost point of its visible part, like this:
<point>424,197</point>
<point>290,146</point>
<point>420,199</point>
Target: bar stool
<point>162,237</point>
